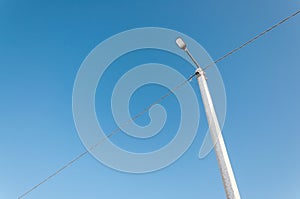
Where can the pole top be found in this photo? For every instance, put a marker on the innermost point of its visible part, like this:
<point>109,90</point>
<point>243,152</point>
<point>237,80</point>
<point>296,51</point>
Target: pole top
<point>200,72</point>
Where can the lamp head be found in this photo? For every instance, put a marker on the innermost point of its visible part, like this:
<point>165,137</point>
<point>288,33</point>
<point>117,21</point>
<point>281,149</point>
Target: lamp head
<point>180,43</point>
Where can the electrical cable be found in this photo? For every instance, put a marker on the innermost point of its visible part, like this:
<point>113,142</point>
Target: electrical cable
<point>156,102</point>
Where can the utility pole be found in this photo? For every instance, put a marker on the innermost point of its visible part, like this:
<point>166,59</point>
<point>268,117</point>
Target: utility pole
<point>227,174</point>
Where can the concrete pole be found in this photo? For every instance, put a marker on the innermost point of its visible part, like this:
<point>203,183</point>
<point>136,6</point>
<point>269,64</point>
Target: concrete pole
<point>227,174</point>
<point>229,182</point>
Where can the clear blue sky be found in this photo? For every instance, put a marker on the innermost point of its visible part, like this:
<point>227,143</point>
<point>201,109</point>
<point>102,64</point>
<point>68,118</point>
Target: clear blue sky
<point>42,45</point>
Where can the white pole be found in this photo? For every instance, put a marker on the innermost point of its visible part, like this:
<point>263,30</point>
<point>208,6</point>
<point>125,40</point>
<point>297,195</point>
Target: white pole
<point>227,174</point>
<point>228,179</point>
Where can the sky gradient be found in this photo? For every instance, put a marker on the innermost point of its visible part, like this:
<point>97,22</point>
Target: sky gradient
<point>42,45</point>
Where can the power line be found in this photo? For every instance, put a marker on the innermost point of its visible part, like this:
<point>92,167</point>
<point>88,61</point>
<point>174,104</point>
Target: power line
<point>252,39</point>
<point>156,102</point>
<point>108,136</point>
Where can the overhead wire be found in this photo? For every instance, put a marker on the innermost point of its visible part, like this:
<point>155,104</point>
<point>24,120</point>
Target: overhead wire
<point>251,40</point>
<point>170,92</point>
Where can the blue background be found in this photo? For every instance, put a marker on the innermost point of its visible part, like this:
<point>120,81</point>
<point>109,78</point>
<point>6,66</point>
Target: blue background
<point>43,43</point>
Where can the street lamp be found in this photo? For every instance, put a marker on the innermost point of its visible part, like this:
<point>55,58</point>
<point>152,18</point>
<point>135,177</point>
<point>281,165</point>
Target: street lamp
<point>227,174</point>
